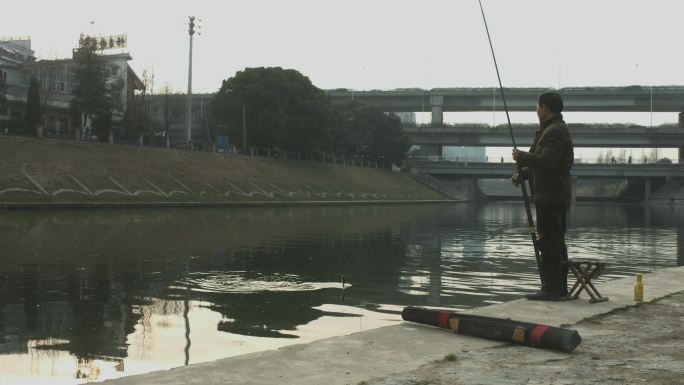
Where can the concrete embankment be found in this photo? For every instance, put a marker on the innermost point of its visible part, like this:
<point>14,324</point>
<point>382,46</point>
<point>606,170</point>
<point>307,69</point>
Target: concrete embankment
<point>412,354</point>
<point>40,172</point>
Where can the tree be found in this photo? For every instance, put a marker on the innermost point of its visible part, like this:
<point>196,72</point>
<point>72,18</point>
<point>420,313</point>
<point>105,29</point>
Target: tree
<point>148,81</point>
<point>173,104</point>
<point>353,129</point>
<point>653,157</point>
<point>90,96</point>
<point>34,115</point>
<point>390,141</point>
<point>609,156</point>
<point>137,119</point>
<point>283,109</point>
<point>364,130</point>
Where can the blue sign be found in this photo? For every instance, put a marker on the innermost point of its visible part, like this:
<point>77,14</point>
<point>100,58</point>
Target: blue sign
<point>222,142</point>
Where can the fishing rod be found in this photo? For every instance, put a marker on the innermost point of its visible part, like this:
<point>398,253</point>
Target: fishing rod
<point>530,222</point>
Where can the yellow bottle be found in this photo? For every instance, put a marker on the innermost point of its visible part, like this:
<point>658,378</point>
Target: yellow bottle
<point>639,288</point>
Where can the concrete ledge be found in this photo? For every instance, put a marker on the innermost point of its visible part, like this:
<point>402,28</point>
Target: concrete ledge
<point>399,348</point>
<point>87,205</point>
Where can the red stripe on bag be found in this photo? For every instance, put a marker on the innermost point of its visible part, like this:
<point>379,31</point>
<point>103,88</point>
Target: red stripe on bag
<point>537,333</point>
<point>444,320</point>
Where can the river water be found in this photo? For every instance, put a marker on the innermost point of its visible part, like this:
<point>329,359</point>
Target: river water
<point>87,295</point>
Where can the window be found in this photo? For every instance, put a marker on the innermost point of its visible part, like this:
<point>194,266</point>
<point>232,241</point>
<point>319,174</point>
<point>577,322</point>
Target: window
<point>3,111</point>
<point>3,75</point>
<point>115,70</point>
<point>61,87</point>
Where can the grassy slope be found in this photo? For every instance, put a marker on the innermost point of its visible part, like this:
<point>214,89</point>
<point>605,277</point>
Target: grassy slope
<point>43,170</point>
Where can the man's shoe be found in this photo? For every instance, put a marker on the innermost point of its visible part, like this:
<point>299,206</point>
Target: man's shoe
<point>544,296</point>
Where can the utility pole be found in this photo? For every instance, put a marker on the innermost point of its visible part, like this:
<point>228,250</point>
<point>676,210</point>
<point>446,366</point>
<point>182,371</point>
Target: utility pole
<point>191,31</point>
<point>244,130</point>
<point>656,149</point>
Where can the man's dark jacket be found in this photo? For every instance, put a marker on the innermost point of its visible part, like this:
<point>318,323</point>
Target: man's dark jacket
<point>549,162</point>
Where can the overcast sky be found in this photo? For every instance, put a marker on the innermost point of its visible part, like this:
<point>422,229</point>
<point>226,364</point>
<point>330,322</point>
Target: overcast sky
<point>383,44</point>
<point>377,44</point>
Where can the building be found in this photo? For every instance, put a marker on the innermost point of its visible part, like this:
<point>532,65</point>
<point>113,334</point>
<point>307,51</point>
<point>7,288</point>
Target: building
<point>171,110</point>
<point>57,79</point>
<point>14,54</point>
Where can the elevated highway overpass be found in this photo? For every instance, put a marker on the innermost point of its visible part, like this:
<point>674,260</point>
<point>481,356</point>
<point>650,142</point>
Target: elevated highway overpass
<point>583,135</point>
<point>440,100</point>
<point>605,99</point>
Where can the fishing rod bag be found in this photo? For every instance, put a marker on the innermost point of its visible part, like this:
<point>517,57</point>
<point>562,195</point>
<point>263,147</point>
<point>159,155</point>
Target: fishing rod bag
<point>497,329</point>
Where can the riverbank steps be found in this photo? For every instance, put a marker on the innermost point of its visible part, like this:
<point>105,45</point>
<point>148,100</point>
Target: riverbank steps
<point>46,171</point>
<point>396,354</point>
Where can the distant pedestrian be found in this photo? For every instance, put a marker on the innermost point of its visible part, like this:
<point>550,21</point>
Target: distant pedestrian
<point>629,160</point>
<point>502,159</point>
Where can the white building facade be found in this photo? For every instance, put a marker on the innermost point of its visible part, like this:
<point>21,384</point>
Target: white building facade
<point>57,79</point>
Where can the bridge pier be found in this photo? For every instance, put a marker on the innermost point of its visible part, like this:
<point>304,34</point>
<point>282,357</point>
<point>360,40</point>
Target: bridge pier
<point>680,247</point>
<point>474,193</point>
<point>437,103</point>
<point>647,216</point>
<point>647,188</point>
<point>432,149</point>
<point>681,125</point>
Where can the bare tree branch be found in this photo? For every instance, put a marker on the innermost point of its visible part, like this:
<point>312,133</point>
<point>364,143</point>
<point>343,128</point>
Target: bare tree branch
<point>51,79</point>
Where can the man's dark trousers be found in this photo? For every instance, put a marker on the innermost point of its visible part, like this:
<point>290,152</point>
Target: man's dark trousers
<point>554,253</point>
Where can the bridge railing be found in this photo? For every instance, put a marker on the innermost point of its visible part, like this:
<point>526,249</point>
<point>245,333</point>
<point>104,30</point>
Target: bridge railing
<point>584,160</point>
<point>532,126</point>
<point>456,159</point>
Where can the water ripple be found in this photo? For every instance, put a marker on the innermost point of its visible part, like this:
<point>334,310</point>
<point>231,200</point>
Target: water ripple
<point>244,282</point>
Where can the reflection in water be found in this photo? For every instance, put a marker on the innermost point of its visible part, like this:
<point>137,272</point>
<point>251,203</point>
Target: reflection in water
<point>89,295</point>
<point>186,311</point>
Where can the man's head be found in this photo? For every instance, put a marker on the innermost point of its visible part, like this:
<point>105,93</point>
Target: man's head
<point>549,104</point>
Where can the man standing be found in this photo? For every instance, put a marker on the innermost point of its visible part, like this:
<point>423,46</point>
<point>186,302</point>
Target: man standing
<point>547,166</point>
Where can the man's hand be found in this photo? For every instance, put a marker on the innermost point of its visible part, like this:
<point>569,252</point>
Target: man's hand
<point>516,179</point>
<point>515,152</point>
